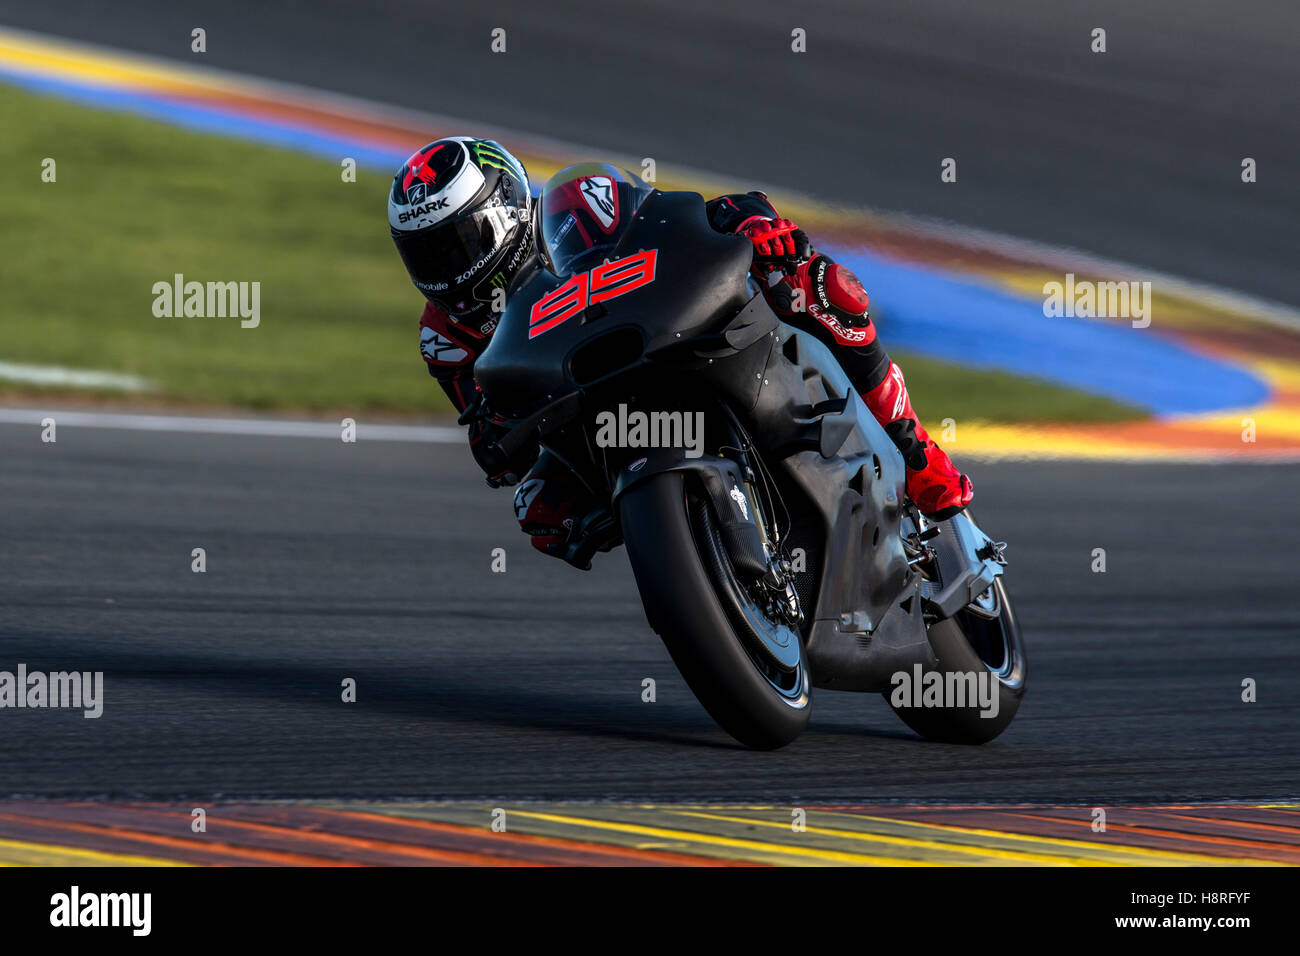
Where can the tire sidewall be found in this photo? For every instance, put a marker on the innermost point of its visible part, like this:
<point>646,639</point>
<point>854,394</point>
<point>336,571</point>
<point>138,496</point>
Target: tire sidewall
<point>683,606</point>
<point>954,653</point>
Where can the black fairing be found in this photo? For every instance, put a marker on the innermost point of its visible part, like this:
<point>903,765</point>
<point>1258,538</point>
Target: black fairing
<point>700,284</point>
<point>700,337</point>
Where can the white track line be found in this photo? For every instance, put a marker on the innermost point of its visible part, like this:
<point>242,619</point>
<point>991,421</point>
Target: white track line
<point>56,375</point>
<point>195,425</point>
<point>455,435</point>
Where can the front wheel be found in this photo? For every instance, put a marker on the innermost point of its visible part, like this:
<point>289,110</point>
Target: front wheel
<point>747,669</point>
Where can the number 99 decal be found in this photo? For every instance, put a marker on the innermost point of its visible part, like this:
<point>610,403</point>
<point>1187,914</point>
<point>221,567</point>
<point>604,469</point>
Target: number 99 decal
<point>608,280</point>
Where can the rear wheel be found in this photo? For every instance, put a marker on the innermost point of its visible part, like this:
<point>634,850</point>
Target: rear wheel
<point>746,667</point>
<point>983,638</point>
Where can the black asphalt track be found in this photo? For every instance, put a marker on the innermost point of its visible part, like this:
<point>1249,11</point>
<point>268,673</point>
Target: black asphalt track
<point>372,561</point>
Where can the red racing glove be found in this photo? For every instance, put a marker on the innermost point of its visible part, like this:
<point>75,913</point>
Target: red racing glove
<point>778,244</point>
<point>785,263</point>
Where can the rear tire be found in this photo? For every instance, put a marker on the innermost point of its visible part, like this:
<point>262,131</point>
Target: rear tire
<point>707,619</point>
<point>969,643</point>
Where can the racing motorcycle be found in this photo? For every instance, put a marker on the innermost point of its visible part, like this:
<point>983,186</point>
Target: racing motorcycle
<point>781,553</point>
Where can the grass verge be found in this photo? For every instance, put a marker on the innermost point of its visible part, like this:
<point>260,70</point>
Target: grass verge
<point>136,201</point>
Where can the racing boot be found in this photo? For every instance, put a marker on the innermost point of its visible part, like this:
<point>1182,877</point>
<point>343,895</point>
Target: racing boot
<point>560,516</point>
<point>934,484</point>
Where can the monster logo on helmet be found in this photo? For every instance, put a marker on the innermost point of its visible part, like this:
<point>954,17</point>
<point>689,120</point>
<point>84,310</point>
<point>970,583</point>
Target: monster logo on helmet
<point>460,212</point>
<point>489,153</point>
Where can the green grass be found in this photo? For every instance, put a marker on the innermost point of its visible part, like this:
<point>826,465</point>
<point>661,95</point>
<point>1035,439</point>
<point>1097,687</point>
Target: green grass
<point>942,390</point>
<point>136,201</point>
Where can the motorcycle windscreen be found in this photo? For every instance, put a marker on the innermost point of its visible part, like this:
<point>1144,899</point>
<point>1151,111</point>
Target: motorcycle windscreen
<point>583,212</point>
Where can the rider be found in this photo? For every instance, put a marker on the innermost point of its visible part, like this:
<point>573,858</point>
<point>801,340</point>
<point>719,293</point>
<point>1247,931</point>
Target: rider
<point>462,217</point>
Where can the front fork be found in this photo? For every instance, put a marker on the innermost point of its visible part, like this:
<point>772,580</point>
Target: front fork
<point>778,594</point>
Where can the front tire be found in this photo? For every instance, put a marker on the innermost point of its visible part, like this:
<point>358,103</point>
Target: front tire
<point>709,622</point>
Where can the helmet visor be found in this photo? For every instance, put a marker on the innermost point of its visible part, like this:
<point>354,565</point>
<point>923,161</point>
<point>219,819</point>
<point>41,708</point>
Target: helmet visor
<point>445,260</point>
